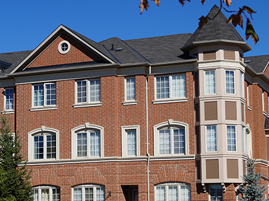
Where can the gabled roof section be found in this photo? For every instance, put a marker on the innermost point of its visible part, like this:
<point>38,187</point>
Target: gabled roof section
<point>258,63</point>
<point>10,60</point>
<point>94,47</point>
<point>216,31</point>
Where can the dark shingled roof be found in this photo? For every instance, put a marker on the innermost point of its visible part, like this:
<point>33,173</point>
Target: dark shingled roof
<point>13,59</point>
<point>216,29</point>
<point>257,63</point>
<point>161,49</point>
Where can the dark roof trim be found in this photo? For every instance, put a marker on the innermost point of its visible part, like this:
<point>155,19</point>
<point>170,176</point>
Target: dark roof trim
<point>243,45</point>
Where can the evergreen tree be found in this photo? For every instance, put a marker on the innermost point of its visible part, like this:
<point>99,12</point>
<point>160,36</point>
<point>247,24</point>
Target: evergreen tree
<point>14,175</point>
<point>251,189</point>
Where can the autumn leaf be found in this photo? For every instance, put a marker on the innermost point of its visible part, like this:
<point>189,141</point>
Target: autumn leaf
<point>251,32</point>
<point>203,1</point>
<point>228,2</point>
<point>182,1</point>
<point>249,10</point>
<point>143,5</point>
<point>236,20</point>
<point>157,2</point>
<point>203,20</point>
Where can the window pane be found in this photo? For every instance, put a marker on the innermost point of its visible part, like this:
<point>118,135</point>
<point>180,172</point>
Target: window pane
<point>216,193</point>
<point>160,193</point>
<point>95,143</point>
<point>179,141</point>
<point>35,195</point>
<point>81,91</point>
<point>231,138</point>
<point>51,146</point>
<point>81,144</point>
<point>56,194</point>
<point>131,142</point>
<point>130,88</point>
<point>51,94</point>
<point>9,99</point>
<point>44,194</point>
<point>211,138</point>
<point>77,194</point>
<point>210,82</point>
<point>88,194</point>
<point>164,138</point>
<point>185,193</point>
<point>100,194</point>
<point>38,147</point>
<point>172,193</point>
<point>162,87</point>
<point>38,95</point>
<point>229,82</point>
<point>94,90</point>
<point>178,86</point>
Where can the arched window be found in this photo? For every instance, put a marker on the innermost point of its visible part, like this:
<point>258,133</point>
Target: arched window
<point>171,138</point>
<point>43,144</point>
<point>88,192</point>
<point>46,193</point>
<point>173,192</point>
<point>87,141</point>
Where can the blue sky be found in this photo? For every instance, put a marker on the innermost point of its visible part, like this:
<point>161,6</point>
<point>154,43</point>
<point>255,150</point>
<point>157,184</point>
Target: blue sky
<point>25,24</point>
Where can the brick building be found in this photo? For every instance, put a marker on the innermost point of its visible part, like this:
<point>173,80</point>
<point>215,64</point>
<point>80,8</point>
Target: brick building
<point>163,118</point>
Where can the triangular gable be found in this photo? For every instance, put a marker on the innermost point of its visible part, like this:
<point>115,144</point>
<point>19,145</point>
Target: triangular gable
<point>49,52</point>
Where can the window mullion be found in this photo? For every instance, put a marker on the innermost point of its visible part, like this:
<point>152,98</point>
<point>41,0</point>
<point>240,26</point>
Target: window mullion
<point>83,193</point>
<point>94,193</point>
<point>88,90</point>
<point>39,194</point>
<point>50,194</point>
<point>166,193</point>
<point>172,140</point>
<point>44,146</point>
<point>179,192</point>
<point>45,95</point>
<point>88,143</point>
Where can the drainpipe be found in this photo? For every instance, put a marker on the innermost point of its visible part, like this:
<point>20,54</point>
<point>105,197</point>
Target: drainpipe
<point>147,133</point>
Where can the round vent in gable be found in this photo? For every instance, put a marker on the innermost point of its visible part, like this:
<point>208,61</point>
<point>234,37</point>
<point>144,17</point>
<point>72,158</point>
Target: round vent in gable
<point>64,47</point>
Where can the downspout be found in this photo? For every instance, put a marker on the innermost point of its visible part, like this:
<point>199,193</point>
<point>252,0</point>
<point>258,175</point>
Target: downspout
<point>147,133</point>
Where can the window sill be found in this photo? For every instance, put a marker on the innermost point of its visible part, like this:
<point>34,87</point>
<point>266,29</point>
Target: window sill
<point>129,103</point>
<point>7,112</point>
<point>87,105</point>
<point>249,108</point>
<point>43,108</point>
<point>170,100</point>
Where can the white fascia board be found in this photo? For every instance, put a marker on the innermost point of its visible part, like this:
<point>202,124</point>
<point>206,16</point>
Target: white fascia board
<point>49,37</point>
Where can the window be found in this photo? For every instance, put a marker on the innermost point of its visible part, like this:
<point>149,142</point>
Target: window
<point>88,91</point>
<point>44,95</point>
<point>130,89</point>
<point>170,87</point>
<point>88,192</point>
<point>46,193</point>
<point>87,141</point>
<point>171,138</point>
<point>231,138</point>
<point>230,88</point>
<point>130,141</point>
<point>64,47</point>
<point>211,138</point>
<point>210,87</point>
<point>43,144</point>
<point>215,193</point>
<point>9,99</point>
<point>173,192</point>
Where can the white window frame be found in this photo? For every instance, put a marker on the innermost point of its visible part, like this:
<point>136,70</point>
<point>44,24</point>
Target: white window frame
<point>125,91</point>
<point>170,123</point>
<point>205,82</point>
<point>170,98</point>
<point>233,82</point>
<point>31,135</point>
<point>124,143</point>
<point>209,194</point>
<point>86,126</point>
<point>39,189</point>
<point>236,138</point>
<point>166,186</point>
<point>263,102</point>
<point>242,83</point>
<point>44,106</point>
<point>88,102</point>
<point>248,95</point>
<point>8,111</point>
<point>207,137</point>
<point>94,186</point>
